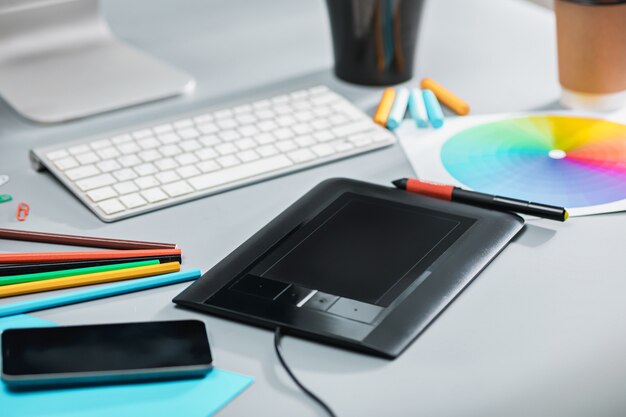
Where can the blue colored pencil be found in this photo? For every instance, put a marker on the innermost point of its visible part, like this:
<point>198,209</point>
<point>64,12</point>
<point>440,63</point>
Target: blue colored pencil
<point>100,292</point>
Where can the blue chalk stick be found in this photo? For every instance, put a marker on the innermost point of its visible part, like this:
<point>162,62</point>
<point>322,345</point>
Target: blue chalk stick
<point>396,115</point>
<point>433,108</point>
<point>100,292</point>
<point>417,108</point>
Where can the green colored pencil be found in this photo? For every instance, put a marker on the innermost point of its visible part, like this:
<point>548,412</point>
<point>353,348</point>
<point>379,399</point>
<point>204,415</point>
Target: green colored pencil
<point>40,276</point>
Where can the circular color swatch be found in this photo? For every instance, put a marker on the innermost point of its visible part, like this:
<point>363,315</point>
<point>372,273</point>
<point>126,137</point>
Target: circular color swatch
<point>559,160</point>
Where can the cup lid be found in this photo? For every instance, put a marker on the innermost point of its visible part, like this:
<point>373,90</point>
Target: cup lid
<point>597,2</point>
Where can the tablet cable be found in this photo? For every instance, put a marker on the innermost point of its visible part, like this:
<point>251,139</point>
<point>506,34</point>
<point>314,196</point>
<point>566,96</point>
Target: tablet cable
<point>278,334</point>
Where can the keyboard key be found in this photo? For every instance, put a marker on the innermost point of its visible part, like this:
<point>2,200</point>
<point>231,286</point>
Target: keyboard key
<point>133,200</point>
<point>286,145</point>
<point>186,159</point>
<point>223,114</point>
<point>208,166</point>
<point>145,169</point>
<point>169,138</point>
<point>189,133</point>
<point>167,176</point>
<point>301,128</point>
<point>149,155</point>
<point>304,141</point>
<point>251,169</point>
<point>188,171</point>
<point>323,136</point>
<point>338,119</point>
<point>226,124</point>
<point>265,138</point>
<point>129,160</point>
<point>245,143</point>
<point>149,143</point>
<point>75,150</point>
<point>66,163</point>
<point>178,188</point>
<point>108,165</point>
<point>169,150</point>
<point>146,182</point>
<point>341,145</point>
<point>301,155</point>
<point>154,194</point>
<point>57,154</point>
<point>323,149</point>
<point>228,161</point>
<point>245,118</point>
<point>126,187</point>
<point>208,128</point>
<point>111,206</point>
<point>100,144</point>
<point>360,139</point>
<point>247,156</point>
<point>87,158</point>
<point>285,121</point>
<point>108,153</point>
<point>100,194</point>
<point>190,145</point>
<point>320,124</point>
<point>210,140</point>
<point>352,128</point>
<point>267,125</point>
<point>226,148</point>
<point>245,108</point>
<point>166,163</point>
<point>248,130</point>
<point>95,182</point>
<point>264,114</point>
<point>203,118</point>
<point>82,172</point>
<point>267,150</point>
<point>284,133</point>
<point>305,116</point>
<point>229,135</point>
<point>128,148</point>
<point>124,174</point>
<point>206,153</point>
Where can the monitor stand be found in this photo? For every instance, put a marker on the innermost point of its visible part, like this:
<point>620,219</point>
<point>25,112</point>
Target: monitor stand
<point>59,61</point>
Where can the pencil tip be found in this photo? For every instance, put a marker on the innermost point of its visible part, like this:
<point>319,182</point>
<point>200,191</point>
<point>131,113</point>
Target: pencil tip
<point>401,183</point>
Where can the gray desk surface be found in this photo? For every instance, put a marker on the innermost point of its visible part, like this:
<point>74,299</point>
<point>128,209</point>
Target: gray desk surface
<point>539,333</point>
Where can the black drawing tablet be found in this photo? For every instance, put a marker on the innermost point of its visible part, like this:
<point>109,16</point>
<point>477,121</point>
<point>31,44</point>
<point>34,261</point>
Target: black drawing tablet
<point>355,264</point>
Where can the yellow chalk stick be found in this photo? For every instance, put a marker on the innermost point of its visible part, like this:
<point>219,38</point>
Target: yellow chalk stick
<point>384,107</point>
<point>89,279</point>
<point>446,97</point>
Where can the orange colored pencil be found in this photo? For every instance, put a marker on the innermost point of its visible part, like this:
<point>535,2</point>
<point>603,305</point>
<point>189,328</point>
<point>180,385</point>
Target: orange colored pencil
<point>35,257</point>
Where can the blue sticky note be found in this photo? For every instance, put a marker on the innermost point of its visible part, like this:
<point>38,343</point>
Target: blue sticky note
<point>189,398</point>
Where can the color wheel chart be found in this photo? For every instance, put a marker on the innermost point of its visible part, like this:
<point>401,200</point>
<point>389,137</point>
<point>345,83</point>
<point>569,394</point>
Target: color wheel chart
<point>570,161</point>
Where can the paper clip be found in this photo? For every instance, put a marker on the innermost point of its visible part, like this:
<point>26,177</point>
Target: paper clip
<point>22,211</point>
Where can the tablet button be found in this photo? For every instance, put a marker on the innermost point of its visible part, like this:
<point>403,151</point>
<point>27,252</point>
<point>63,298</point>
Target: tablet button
<point>355,310</point>
<point>320,301</point>
<point>259,286</point>
<point>294,295</point>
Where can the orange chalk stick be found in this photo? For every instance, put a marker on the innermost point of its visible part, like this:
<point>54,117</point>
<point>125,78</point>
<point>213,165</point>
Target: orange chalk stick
<point>446,97</point>
<point>34,257</point>
<point>384,107</point>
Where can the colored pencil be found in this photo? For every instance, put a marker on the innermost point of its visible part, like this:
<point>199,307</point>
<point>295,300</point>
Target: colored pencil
<point>41,276</point>
<point>88,279</point>
<point>33,257</point>
<point>31,268</point>
<point>88,241</point>
<point>99,292</point>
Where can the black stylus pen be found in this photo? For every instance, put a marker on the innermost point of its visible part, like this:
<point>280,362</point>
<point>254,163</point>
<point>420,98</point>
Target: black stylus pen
<point>452,193</point>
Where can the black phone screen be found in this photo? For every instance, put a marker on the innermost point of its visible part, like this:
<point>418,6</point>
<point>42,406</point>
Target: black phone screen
<point>106,347</point>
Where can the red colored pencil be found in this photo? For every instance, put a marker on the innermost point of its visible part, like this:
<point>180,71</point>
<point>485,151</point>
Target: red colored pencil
<point>34,257</point>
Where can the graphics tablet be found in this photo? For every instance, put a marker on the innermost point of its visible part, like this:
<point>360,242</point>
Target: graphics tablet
<point>355,264</point>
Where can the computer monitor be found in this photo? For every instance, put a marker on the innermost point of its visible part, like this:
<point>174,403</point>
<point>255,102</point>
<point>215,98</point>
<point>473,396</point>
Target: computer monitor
<point>59,61</point>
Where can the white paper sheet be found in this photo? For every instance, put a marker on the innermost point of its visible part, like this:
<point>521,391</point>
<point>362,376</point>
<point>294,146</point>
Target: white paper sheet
<point>423,150</point>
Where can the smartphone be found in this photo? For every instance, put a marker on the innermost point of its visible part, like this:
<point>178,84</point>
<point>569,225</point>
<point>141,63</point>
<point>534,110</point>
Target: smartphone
<point>105,353</point>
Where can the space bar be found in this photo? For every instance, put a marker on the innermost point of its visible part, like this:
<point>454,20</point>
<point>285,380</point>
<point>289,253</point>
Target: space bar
<point>238,172</point>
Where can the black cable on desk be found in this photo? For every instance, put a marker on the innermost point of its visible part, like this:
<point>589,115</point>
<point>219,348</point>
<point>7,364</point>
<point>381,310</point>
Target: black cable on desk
<point>277,336</point>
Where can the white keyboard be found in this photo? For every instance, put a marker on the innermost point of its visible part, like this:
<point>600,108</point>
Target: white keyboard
<point>148,168</point>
